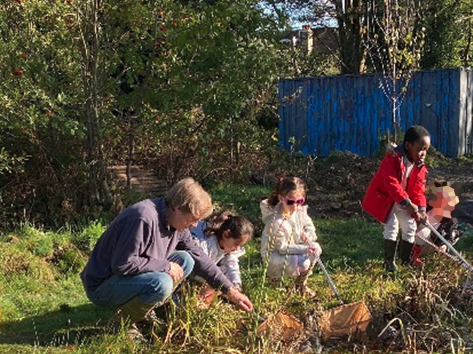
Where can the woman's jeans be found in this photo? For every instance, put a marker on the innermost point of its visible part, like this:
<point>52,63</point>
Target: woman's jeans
<point>153,287</point>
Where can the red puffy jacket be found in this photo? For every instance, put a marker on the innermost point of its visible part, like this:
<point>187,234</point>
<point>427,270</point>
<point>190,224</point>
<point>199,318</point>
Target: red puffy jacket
<point>385,188</point>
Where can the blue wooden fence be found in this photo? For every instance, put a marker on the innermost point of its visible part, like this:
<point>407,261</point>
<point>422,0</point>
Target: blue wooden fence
<point>350,113</point>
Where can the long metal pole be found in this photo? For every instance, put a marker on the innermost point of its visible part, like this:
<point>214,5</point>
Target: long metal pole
<point>439,250</point>
<point>448,244</point>
<point>330,282</point>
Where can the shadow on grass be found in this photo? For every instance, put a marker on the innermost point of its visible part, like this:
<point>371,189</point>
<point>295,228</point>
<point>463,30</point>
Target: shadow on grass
<point>66,326</point>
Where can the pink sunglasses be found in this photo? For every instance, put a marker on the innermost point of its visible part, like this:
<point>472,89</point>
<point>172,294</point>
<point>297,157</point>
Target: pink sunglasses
<point>294,201</point>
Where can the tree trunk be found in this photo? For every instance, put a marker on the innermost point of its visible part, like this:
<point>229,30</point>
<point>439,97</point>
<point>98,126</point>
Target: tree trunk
<point>90,40</point>
<point>130,153</point>
<point>349,17</point>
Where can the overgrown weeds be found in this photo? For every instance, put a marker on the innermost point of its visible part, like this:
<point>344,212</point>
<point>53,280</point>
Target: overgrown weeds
<point>44,308</point>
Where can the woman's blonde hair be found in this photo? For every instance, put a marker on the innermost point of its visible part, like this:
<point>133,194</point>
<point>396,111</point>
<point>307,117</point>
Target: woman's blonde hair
<point>189,197</point>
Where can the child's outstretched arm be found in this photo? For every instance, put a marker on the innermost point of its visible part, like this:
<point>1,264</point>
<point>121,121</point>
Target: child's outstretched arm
<point>410,207</point>
<point>418,195</point>
<point>231,268</point>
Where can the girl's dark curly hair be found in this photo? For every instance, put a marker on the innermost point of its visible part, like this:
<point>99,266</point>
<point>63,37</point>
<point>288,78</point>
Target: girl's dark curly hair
<point>222,221</point>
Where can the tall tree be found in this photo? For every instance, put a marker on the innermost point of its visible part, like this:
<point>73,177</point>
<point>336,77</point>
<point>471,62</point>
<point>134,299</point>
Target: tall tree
<point>95,68</point>
<point>395,45</point>
<point>347,16</point>
<point>40,130</point>
<point>90,83</point>
<point>350,18</point>
<point>448,25</point>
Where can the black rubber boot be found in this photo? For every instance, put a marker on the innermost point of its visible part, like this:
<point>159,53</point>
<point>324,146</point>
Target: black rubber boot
<point>405,251</point>
<point>389,254</point>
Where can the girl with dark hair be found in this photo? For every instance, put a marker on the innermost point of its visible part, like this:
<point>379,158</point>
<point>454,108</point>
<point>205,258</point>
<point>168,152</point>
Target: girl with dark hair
<point>222,236</point>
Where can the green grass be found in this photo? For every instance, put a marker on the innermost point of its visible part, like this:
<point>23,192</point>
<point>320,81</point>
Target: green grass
<point>243,200</point>
<point>43,308</point>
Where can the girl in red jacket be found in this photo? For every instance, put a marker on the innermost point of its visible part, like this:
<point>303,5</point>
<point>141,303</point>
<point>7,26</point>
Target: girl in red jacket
<point>397,192</point>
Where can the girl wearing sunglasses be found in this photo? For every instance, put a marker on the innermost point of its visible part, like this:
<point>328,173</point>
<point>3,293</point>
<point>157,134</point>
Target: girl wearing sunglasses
<point>288,243</point>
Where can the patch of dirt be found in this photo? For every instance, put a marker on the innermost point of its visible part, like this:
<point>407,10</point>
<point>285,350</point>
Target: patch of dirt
<point>336,185</point>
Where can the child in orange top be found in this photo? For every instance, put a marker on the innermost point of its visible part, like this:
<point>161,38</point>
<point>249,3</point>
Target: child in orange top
<point>442,202</point>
